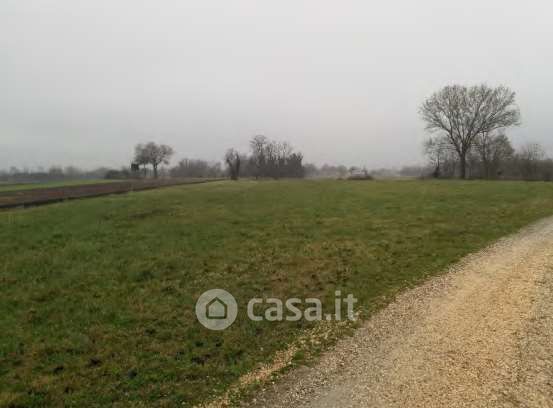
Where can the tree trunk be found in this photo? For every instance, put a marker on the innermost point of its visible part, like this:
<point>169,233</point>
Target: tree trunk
<point>155,171</point>
<point>463,165</point>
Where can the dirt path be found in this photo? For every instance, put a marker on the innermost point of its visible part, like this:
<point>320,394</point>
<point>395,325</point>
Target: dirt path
<point>480,336</point>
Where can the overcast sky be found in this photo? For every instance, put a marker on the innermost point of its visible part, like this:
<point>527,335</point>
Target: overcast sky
<point>81,82</point>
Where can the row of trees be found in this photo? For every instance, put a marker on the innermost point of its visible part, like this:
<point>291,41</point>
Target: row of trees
<point>491,157</point>
<point>197,169</point>
<point>267,158</point>
<point>343,172</point>
<point>270,158</point>
<point>486,157</point>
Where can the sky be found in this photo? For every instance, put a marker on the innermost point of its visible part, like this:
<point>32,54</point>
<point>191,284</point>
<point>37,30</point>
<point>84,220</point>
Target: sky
<point>82,82</point>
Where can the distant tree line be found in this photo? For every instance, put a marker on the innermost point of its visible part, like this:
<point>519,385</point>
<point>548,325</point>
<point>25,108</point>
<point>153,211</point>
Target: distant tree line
<point>326,171</point>
<point>196,168</point>
<point>468,141</point>
<point>52,174</point>
<point>491,157</point>
<point>266,159</point>
<point>273,159</point>
<point>342,172</point>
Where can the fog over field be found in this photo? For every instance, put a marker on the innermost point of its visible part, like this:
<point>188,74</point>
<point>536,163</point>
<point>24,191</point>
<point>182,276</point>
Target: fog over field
<point>83,82</point>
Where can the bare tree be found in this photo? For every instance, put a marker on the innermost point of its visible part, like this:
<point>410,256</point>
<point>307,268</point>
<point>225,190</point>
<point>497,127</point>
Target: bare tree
<point>233,160</point>
<point>258,159</point>
<point>529,158</point>
<point>283,151</point>
<point>140,158</point>
<point>493,150</point>
<point>461,113</point>
<point>438,150</point>
<point>154,154</point>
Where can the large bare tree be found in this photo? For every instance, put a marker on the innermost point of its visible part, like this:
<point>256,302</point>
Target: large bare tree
<point>462,113</point>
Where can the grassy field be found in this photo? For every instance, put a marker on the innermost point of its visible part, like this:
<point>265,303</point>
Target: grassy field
<point>97,296</point>
<point>32,186</point>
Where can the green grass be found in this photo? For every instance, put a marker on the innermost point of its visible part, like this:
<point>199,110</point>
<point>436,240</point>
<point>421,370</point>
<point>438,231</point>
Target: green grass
<point>32,186</point>
<point>97,296</point>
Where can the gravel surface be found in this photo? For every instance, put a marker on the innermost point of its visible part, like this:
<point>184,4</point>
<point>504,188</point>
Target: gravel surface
<point>478,336</point>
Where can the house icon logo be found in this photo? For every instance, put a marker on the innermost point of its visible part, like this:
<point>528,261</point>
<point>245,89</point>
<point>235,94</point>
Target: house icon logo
<point>216,309</point>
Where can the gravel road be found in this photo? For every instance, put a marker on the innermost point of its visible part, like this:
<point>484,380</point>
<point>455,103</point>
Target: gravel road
<point>478,336</point>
